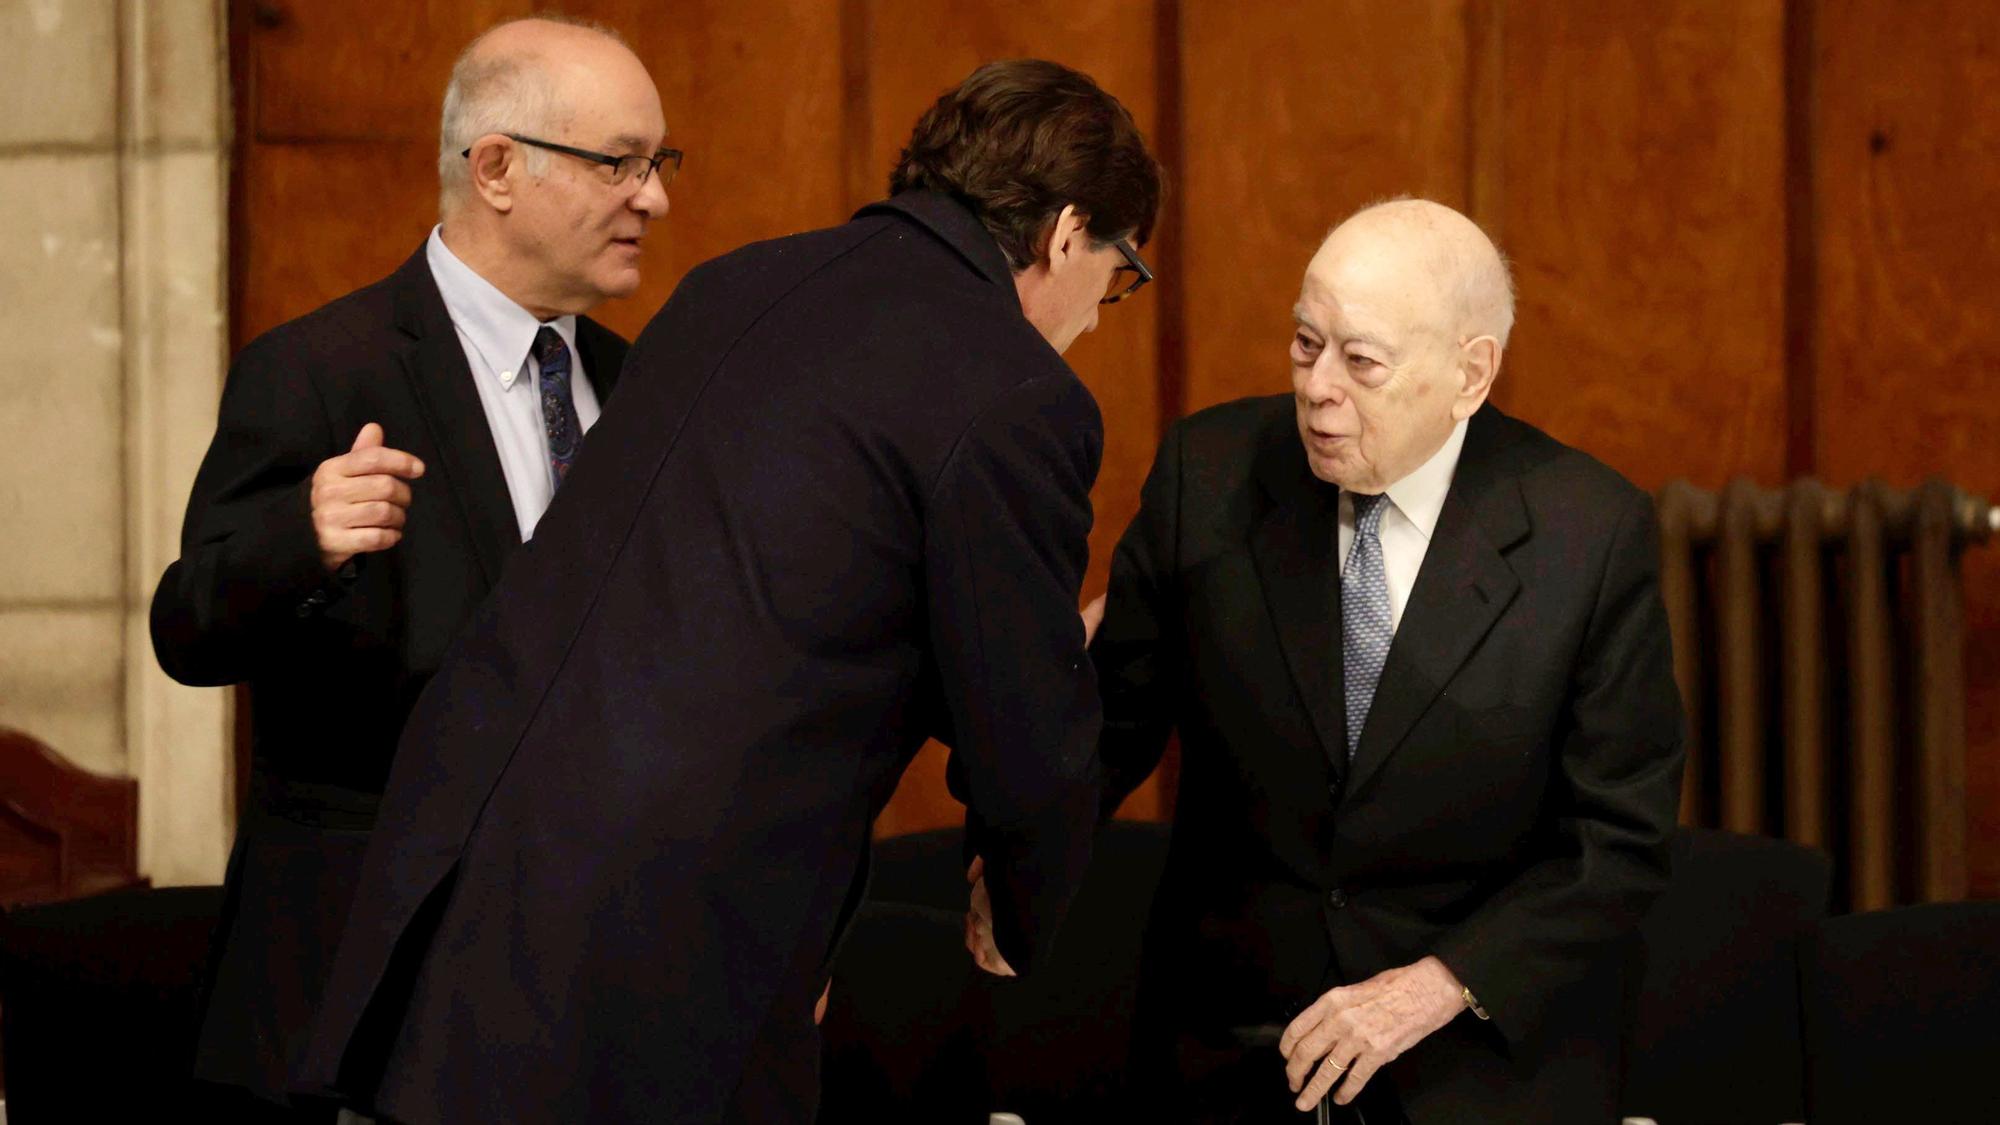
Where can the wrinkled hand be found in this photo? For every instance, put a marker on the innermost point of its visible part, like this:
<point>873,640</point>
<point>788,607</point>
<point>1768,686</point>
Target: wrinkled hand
<point>1093,616</point>
<point>359,498</point>
<point>979,924</point>
<point>1352,1031</point>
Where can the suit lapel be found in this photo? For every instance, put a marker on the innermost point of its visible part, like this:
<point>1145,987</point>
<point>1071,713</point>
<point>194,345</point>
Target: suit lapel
<point>1462,588</point>
<point>1296,549</point>
<point>434,363</point>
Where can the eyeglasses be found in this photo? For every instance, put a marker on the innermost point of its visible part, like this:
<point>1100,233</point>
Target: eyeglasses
<point>622,167</point>
<point>1135,266</point>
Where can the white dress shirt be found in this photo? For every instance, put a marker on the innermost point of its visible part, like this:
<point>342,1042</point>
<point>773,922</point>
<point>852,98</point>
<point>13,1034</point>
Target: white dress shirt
<point>498,337</point>
<point>1407,521</point>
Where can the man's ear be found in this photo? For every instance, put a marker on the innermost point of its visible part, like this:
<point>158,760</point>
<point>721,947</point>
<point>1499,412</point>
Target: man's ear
<point>490,164</point>
<point>1066,239</point>
<point>1478,366</point>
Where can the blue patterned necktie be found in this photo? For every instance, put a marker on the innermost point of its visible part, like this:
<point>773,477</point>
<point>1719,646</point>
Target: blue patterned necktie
<point>558,404</point>
<point>1366,627</point>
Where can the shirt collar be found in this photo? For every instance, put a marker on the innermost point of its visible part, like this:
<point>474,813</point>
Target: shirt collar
<point>1420,496</point>
<point>500,332</point>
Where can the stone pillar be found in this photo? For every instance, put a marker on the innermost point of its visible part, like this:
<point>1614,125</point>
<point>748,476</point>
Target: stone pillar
<point>113,283</point>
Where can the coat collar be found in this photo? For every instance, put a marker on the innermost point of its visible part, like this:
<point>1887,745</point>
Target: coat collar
<point>957,226</point>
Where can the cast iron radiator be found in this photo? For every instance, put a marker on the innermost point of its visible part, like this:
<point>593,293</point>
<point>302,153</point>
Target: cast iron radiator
<point>1819,648</point>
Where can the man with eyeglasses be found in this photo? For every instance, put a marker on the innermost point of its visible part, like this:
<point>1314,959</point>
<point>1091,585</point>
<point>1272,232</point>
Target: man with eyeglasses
<point>842,507</point>
<point>375,464</point>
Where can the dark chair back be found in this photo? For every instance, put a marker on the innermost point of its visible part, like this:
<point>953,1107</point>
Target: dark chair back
<point>98,1003</point>
<point>1715,1026</point>
<point>1902,1015</point>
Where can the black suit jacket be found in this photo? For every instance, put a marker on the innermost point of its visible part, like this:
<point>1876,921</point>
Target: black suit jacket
<point>334,664</point>
<point>1516,780</point>
<point>843,505</point>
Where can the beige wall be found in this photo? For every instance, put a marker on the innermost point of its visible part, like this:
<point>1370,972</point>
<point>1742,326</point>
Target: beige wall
<point>113,150</point>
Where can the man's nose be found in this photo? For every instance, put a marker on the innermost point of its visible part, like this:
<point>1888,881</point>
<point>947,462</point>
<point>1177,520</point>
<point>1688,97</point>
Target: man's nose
<point>651,198</point>
<point>1325,381</point>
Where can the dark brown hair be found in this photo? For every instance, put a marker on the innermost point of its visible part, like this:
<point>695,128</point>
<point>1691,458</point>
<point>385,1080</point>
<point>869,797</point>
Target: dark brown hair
<point>1019,139</point>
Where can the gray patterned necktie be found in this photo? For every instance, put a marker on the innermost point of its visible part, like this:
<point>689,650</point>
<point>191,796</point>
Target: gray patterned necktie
<point>1366,627</point>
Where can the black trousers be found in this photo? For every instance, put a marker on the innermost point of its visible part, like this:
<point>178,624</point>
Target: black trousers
<point>233,1105</point>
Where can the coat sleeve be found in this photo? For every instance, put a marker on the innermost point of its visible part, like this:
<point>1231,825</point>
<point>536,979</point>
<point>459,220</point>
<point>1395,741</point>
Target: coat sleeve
<point>1616,784</point>
<point>250,563</point>
<point>1006,544</point>
<point>1138,647</point>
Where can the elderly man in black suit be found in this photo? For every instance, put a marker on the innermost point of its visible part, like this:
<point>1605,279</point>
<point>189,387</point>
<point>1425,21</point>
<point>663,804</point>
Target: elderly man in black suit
<point>842,506</point>
<point>375,463</point>
<point>1415,653</point>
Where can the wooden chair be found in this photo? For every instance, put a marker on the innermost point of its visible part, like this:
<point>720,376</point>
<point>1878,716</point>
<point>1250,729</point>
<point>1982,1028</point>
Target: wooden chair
<point>65,832</point>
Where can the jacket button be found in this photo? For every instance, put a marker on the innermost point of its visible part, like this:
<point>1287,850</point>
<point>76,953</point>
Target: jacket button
<point>1336,898</point>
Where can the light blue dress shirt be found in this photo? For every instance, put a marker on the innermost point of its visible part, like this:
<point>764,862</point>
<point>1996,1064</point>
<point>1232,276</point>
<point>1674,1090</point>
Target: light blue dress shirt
<point>498,336</point>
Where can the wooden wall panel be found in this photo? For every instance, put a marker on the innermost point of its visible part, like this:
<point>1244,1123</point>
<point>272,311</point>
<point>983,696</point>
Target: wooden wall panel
<point>752,92</point>
<point>914,52</point>
<point>1641,198</point>
<point>1907,140</point>
<point>1297,113</point>
<point>313,221</point>
<point>358,69</point>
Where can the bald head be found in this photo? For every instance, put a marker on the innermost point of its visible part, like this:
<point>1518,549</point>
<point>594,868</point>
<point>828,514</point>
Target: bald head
<point>527,76</point>
<point>1442,255</point>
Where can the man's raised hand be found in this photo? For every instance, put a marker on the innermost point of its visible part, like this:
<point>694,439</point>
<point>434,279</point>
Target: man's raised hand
<point>360,498</point>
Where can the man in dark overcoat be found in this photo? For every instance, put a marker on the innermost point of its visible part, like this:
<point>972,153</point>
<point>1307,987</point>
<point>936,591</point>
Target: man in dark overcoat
<point>842,507</point>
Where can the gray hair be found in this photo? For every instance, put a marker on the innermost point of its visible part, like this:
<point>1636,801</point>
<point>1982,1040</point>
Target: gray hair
<point>499,92</point>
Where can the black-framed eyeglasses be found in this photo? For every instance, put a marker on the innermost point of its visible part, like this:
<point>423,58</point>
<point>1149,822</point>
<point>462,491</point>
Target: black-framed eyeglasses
<point>1121,288</point>
<point>622,167</point>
